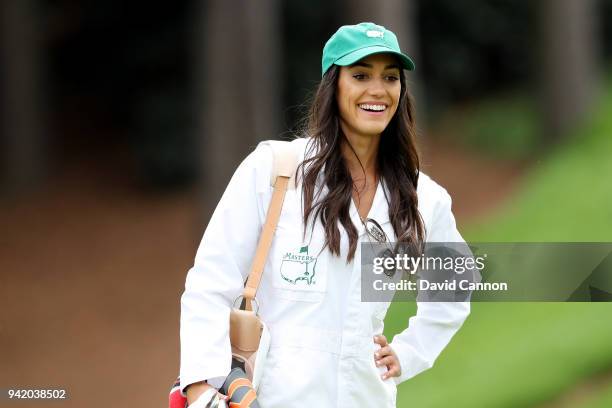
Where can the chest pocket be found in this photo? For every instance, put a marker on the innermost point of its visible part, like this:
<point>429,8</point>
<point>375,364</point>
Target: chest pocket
<point>297,263</point>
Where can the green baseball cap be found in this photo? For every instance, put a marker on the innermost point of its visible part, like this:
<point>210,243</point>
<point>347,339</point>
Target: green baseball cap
<point>353,42</point>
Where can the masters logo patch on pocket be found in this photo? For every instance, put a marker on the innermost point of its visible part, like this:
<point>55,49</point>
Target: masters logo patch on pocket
<point>298,267</point>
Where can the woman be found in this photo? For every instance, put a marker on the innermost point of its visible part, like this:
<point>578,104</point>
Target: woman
<point>359,166</point>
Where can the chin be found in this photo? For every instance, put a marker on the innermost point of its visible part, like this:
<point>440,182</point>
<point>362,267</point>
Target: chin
<point>372,130</point>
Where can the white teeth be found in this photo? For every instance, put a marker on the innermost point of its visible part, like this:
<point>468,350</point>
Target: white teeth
<point>377,108</point>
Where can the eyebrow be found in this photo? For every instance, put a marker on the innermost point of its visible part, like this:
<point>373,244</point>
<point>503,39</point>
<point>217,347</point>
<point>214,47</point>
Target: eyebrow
<point>366,65</point>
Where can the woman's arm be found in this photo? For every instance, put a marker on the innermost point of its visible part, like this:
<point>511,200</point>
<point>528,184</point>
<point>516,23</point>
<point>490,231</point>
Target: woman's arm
<point>221,266</point>
<point>435,323</point>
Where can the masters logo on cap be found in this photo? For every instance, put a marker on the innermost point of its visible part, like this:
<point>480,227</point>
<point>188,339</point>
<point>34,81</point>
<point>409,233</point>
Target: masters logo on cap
<point>375,33</point>
<point>353,42</point>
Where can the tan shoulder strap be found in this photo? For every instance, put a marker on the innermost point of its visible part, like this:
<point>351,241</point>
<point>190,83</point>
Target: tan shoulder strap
<point>285,161</point>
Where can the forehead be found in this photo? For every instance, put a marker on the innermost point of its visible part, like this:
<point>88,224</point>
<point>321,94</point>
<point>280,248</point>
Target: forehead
<point>383,59</point>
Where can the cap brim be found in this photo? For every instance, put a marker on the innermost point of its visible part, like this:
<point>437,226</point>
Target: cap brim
<point>356,55</point>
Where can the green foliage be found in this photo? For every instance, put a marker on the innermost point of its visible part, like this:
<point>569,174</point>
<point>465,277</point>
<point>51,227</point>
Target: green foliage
<point>567,196</point>
<point>512,354</point>
<point>504,126</point>
<point>603,400</point>
<point>473,47</point>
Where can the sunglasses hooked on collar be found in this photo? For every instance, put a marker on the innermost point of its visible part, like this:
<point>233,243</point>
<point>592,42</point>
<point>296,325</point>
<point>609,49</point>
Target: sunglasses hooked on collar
<point>375,232</point>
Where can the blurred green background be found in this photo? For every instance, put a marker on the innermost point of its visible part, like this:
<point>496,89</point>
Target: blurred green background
<point>122,122</point>
<point>533,354</point>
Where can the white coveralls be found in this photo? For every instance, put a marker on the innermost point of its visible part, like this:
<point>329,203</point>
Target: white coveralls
<point>321,352</point>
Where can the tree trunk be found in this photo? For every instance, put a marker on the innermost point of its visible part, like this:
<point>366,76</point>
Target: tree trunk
<point>239,86</point>
<point>568,63</point>
<point>24,143</point>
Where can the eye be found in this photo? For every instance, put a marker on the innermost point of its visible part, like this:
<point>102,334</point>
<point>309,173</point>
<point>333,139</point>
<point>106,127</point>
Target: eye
<point>360,77</point>
<point>392,78</point>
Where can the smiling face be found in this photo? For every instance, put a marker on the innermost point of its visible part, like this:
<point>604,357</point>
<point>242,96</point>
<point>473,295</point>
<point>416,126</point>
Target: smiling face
<point>368,94</point>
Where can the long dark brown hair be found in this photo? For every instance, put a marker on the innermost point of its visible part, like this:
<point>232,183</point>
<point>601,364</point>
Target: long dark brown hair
<point>397,164</point>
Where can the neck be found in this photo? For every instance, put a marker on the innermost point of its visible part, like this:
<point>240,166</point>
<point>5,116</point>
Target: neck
<point>361,154</point>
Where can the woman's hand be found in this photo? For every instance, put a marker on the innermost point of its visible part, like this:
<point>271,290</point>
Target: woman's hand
<point>194,391</point>
<point>386,357</point>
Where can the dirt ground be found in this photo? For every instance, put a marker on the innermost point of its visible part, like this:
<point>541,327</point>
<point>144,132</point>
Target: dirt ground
<point>91,272</point>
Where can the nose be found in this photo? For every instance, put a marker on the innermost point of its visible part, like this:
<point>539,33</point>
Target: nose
<point>377,88</point>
